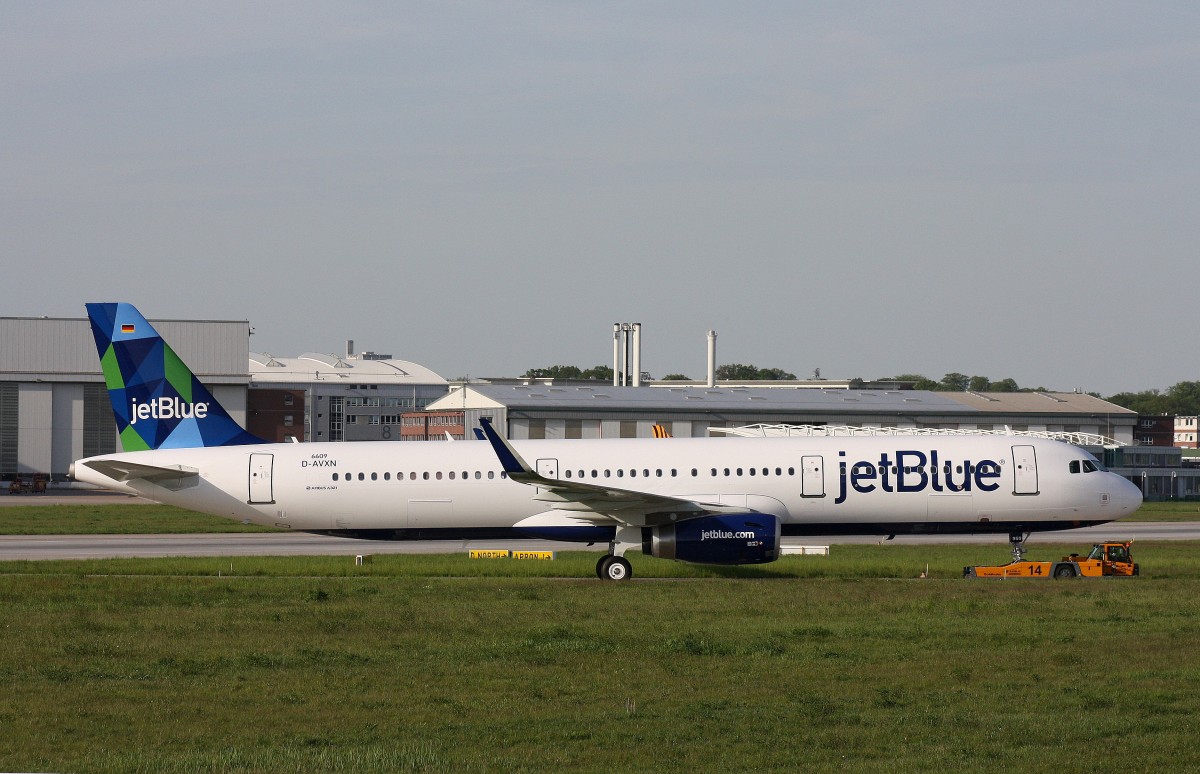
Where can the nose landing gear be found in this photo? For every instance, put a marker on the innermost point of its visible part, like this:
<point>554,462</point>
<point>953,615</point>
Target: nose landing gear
<point>1017,541</point>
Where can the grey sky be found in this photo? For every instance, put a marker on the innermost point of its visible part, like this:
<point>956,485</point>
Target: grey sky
<point>1007,190</point>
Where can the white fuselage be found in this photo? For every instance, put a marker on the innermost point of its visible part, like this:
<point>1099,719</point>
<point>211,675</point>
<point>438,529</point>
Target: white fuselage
<point>858,484</point>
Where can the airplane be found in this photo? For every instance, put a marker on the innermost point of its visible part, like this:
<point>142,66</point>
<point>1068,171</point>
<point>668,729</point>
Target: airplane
<point>701,500</point>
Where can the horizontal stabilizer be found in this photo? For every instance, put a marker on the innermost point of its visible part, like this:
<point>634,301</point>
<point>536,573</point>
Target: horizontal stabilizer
<point>119,470</point>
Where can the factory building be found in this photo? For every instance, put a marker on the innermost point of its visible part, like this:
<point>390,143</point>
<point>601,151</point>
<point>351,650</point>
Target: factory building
<point>594,410</point>
<point>352,397</point>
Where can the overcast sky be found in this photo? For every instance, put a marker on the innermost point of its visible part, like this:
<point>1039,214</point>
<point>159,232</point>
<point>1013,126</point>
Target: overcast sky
<point>1001,189</point>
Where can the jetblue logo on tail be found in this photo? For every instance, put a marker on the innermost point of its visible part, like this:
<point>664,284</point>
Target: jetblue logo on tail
<point>166,408</point>
<point>157,401</point>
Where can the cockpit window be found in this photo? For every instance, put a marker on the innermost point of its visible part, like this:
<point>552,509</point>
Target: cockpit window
<point>1086,466</point>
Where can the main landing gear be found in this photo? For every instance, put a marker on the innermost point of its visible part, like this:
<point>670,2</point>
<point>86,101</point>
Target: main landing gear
<point>614,566</point>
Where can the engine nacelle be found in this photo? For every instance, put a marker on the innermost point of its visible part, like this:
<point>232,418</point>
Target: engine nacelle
<point>731,538</point>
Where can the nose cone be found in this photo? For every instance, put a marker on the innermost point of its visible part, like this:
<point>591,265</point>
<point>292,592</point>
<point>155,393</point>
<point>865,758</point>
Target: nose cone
<point>1126,496</point>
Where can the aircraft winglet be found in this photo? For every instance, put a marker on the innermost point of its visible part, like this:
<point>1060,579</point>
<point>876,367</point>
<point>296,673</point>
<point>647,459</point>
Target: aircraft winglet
<point>509,459</point>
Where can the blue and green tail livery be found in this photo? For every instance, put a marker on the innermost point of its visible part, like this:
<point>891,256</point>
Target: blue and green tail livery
<point>158,402</point>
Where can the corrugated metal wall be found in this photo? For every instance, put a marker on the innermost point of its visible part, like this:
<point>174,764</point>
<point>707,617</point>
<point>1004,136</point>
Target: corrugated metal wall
<point>58,349</point>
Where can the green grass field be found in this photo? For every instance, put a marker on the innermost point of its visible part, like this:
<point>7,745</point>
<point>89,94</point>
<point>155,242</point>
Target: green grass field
<point>131,517</point>
<point>135,517</point>
<point>421,663</point>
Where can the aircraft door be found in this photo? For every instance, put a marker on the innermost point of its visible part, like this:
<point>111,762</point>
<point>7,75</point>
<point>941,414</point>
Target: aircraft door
<point>261,489</point>
<point>812,475</point>
<point>1025,475</point>
<point>547,467</point>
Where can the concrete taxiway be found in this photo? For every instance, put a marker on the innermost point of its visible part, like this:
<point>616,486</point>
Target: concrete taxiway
<point>41,547</point>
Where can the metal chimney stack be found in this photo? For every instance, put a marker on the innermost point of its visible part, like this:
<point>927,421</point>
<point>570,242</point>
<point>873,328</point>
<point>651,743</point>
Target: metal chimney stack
<point>712,358</point>
<point>627,354</point>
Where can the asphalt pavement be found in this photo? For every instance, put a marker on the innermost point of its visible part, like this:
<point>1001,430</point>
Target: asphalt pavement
<point>38,547</point>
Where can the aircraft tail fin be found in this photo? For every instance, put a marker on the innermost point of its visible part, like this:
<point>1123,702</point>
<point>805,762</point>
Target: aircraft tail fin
<point>157,401</point>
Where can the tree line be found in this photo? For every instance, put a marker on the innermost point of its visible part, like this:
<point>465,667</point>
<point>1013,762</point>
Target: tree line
<point>735,371</point>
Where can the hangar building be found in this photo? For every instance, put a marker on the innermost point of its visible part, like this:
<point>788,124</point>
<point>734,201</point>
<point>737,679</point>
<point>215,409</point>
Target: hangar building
<point>54,407</point>
<point>591,410</point>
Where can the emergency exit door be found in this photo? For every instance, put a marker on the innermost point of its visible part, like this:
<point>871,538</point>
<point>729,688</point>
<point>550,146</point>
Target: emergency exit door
<point>812,475</point>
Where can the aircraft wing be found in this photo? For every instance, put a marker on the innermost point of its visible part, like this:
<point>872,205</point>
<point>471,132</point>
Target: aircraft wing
<point>121,470</point>
<point>600,504</point>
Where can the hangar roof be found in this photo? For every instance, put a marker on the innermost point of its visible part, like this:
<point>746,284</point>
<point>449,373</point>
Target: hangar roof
<point>317,367</point>
<point>591,397</point>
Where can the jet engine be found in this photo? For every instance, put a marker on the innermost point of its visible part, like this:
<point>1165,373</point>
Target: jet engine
<point>727,538</point>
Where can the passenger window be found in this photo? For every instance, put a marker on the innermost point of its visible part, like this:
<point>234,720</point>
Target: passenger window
<point>374,476</point>
<point>362,477</point>
<point>335,477</point>
<point>425,476</point>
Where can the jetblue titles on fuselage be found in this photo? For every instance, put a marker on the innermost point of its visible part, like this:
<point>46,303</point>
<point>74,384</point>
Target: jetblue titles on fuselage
<point>914,471</point>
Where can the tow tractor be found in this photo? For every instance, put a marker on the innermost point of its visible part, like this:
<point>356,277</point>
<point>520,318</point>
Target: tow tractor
<point>1104,559</point>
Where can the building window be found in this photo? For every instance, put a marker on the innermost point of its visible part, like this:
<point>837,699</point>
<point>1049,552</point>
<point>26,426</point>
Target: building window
<point>287,420</point>
<point>9,421</point>
<point>335,418</point>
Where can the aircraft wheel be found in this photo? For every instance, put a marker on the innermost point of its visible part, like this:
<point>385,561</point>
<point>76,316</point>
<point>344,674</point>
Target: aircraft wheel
<point>602,565</point>
<point>614,568</point>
